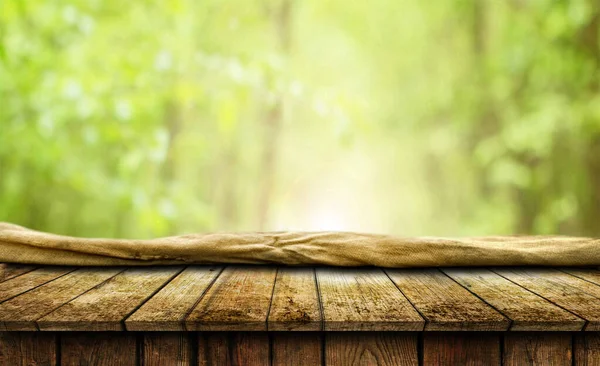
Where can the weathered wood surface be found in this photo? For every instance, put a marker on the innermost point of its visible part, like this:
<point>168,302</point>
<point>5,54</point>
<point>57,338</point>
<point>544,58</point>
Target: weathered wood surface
<point>538,349</point>
<point>239,348</point>
<point>299,348</point>
<point>167,348</point>
<point>105,306</point>
<point>445,304</point>
<point>168,309</point>
<point>21,312</point>
<point>371,348</point>
<point>526,310</point>
<point>567,291</point>
<point>98,348</point>
<point>295,303</point>
<point>461,349</point>
<point>364,299</point>
<point>260,298</point>
<point>239,299</point>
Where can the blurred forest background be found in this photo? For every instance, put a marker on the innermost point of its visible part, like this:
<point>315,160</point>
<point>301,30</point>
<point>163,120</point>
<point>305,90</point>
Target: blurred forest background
<point>442,117</point>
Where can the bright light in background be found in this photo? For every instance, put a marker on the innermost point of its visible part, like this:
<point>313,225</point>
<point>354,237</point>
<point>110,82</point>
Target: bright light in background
<point>328,219</point>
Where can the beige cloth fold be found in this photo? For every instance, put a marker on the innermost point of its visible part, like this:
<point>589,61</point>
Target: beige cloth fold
<point>22,245</point>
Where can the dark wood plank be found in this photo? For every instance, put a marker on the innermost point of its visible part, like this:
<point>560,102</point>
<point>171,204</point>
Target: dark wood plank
<point>166,348</point>
<point>295,304</point>
<point>364,299</point>
<point>167,309</point>
<point>371,348</point>
<point>538,349</point>
<point>239,348</point>
<point>9,270</point>
<point>27,348</point>
<point>528,312</point>
<point>238,300</point>
<point>98,349</point>
<point>587,349</point>
<point>445,304</point>
<point>574,294</point>
<point>21,312</point>
<point>107,305</point>
<point>297,348</point>
<point>30,280</point>
<point>461,349</point>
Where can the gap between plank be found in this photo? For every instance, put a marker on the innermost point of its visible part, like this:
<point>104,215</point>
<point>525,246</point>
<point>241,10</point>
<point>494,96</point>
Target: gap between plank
<point>271,300</point>
<point>40,285</point>
<point>149,297</point>
<point>586,322</point>
<point>187,314</point>
<point>425,319</point>
<point>19,274</point>
<point>510,321</point>
<point>84,292</point>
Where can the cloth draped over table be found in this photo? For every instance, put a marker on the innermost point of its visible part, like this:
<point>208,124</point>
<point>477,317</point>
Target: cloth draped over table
<point>22,245</point>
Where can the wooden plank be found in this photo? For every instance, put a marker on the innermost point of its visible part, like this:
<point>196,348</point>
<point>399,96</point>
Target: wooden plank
<point>461,349</point>
<point>21,312</point>
<point>238,300</point>
<point>30,280</point>
<point>107,305</point>
<point>537,349</point>
<point>527,311</point>
<point>371,348</point>
<point>9,270</point>
<point>587,349</point>
<point>364,299</point>
<point>166,348</point>
<point>295,303</point>
<point>239,348</point>
<point>567,291</point>
<point>445,304</point>
<point>297,348</point>
<point>167,309</point>
<point>98,349</point>
<point>588,274</point>
<point>27,348</point>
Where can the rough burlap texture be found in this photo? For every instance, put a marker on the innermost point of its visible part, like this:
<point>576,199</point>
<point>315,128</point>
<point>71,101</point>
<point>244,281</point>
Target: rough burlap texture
<point>22,245</point>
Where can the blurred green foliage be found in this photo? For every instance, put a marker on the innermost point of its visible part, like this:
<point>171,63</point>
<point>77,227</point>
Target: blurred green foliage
<point>443,117</point>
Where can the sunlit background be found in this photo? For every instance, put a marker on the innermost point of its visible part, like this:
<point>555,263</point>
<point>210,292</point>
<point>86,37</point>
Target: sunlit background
<point>443,117</point>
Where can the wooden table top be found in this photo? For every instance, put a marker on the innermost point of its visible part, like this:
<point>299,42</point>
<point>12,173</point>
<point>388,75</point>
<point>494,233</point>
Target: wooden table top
<point>262,298</point>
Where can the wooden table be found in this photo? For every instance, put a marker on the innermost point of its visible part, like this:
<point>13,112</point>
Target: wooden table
<point>304,316</point>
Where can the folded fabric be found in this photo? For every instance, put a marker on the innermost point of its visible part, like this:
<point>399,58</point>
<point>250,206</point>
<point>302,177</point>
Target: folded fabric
<point>22,245</point>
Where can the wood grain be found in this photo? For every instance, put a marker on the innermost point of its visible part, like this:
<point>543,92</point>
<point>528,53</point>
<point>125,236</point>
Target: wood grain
<point>537,349</point>
<point>98,349</point>
<point>21,312</point>
<point>27,348</point>
<point>107,305</point>
<point>297,348</point>
<point>445,304</point>
<point>30,280</point>
<point>167,309</point>
<point>586,349</point>
<point>295,303</point>
<point>364,299</point>
<point>239,348</point>
<point>238,300</point>
<point>9,270</point>
<point>473,349</point>
<point>166,348</point>
<point>528,312</point>
<point>371,348</point>
<point>574,294</point>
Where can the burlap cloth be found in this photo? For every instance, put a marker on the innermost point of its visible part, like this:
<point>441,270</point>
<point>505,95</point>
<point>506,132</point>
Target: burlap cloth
<point>22,245</point>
